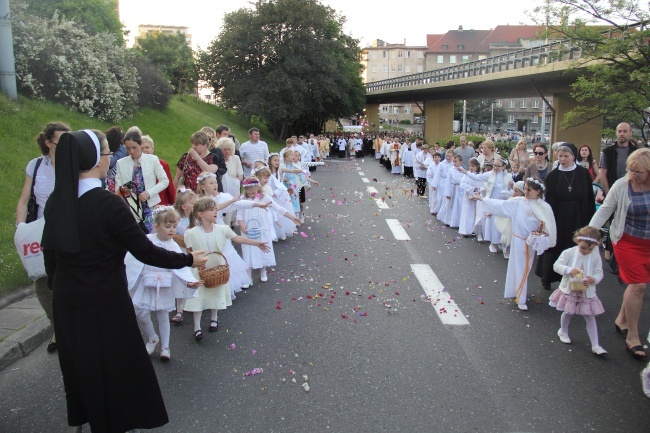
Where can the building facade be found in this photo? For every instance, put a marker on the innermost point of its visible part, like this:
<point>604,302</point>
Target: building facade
<point>145,30</point>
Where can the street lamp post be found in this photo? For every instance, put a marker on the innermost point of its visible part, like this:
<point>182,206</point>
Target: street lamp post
<point>7,61</point>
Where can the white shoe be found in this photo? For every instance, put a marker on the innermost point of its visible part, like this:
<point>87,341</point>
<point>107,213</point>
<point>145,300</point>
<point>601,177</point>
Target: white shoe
<point>493,248</point>
<point>645,380</point>
<point>506,255</point>
<point>263,276</point>
<point>479,238</point>
<point>151,345</point>
<point>165,355</point>
<point>564,338</point>
<point>522,307</point>
<point>598,350</point>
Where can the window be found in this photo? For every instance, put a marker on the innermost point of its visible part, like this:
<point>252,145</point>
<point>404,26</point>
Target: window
<point>548,119</point>
<point>407,68</point>
<point>535,103</point>
<point>399,68</point>
<point>511,104</point>
<point>392,68</point>
<point>400,54</point>
<point>465,58</point>
<point>498,104</point>
<point>522,103</point>
<point>535,118</point>
<point>452,59</point>
<point>420,55</point>
<point>445,46</point>
<point>384,54</point>
<point>385,68</point>
<point>373,55</point>
<point>384,108</point>
<point>420,68</point>
<point>407,54</point>
<point>461,47</point>
<point>395,110</point>
<point>482,56</point>
<point>373,68</point>
<point>407,109</point>
<point>511,118</point>
<point>441,59</point>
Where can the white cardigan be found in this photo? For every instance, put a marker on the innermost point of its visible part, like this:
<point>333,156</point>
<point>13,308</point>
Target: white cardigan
<point>152,171</point>
<point>617,200</point>
<point>563,265</point>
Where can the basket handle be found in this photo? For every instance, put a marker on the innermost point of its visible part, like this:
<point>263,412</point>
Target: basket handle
<point>215,252</point>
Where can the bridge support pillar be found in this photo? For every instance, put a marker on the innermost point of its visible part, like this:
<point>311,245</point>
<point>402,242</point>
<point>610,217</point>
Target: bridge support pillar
<point>589,133</point>
<point>372,116</point>
<point>439,121</point>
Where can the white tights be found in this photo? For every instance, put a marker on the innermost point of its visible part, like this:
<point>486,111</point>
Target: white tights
<point>197,318</point>
<point>590,321</point>
<point>144,317</point>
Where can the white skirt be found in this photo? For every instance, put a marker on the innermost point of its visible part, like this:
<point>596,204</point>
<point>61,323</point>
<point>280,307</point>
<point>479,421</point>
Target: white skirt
<point>238,275</point>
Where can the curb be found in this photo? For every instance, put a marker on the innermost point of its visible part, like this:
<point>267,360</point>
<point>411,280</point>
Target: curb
<point>17,295</point>
<point>20,344</point>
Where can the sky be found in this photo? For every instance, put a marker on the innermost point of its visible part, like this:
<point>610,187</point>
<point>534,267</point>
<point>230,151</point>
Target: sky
<point>401,20</point>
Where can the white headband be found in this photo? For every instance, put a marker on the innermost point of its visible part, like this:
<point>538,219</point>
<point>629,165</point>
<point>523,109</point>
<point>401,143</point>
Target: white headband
<point>93,137</point>
<point>161,209</point>
<point>586,238</point>
<point>206,176</point>
<point>536,182</point>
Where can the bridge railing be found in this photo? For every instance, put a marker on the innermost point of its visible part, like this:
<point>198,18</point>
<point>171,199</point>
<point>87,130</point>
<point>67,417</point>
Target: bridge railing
<point>525,58</point>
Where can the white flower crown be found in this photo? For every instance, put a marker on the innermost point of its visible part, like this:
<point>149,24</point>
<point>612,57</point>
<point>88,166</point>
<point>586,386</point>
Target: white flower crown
<point>536,182</point>
<point>206,176</point>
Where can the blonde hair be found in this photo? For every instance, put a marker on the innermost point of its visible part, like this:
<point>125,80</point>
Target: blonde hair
<point>226,143</point>
<point>200,192</point>
<point>489,144</point>
<point>639,159</point>
<point>264,171</point>
<point>182,197</point>
<point>200,137</point>
<point>166,216</point>
<point>202,205</point>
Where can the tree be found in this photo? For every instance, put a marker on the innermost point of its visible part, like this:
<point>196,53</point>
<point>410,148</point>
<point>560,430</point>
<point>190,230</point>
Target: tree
<point>172,55</point>
<point>480,111</point>
<point>95,16</point>
<point>154,89</point>
<point>288,63</point>
<point>616,53</point>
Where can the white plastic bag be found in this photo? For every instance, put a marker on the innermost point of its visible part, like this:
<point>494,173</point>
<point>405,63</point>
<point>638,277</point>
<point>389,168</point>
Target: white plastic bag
<point>28,245</point>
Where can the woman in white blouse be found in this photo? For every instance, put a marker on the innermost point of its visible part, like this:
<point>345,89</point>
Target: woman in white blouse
<point>231,181</point>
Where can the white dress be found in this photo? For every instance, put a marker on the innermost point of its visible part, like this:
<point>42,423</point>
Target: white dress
<point>431,174</point>
<point>521,255</point>
<point>499,192</point>
<point>456,197</point>
<point>216,298</point>
<point>255,219</point>
<point>281,197</point>
<point>156,289</point>
<point>468,209</point>
<point>440,182</point>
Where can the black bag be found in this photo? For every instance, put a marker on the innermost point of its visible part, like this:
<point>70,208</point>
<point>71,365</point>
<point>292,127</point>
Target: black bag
<point>32,207</point>
<point>137,210</point>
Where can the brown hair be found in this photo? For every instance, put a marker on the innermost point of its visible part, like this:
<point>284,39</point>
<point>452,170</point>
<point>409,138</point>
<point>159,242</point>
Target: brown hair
<point>166,216</point>
<point>589,232</point>
<point>200,137</point>
<point>202,205</point>
<point>264,171</point>
<point>183,197</point>
<point>48,134</point>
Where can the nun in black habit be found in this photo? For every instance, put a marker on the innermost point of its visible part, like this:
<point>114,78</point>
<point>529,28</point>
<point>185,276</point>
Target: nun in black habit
<point>571,196</point>
<point>108,377</point>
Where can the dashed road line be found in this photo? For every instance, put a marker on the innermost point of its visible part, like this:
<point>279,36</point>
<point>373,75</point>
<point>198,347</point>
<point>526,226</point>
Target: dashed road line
<point>361,173</point>
<point>382,204</point>
<point>446,308</point>
<point>372,190</point>
<point>397,229</point>
<point>365,180</point>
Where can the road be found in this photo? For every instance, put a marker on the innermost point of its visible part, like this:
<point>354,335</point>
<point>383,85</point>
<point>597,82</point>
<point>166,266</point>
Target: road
<point>390,330</point>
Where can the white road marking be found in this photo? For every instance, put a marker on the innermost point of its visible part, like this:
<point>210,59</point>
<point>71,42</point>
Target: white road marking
<point>365,180</point>
<point>381,204</point>
<point>358,168</point>
<point>371,190</point>
<point>441,300</point>
<point>397,229</point>
<point>361,173</point>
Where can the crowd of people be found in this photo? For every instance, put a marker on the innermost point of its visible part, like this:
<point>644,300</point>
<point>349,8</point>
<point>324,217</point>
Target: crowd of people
<point>111,205</point>
<point>123,239</point>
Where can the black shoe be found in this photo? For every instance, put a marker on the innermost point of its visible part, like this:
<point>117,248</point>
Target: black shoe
<point>198,335</point>
<point>214,326</point>
<point>51,347</point>
<point>546,286</point>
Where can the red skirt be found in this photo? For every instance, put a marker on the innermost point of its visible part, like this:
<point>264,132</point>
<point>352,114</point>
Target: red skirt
<point>633,258</point>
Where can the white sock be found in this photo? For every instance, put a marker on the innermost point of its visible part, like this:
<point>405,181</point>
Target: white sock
<point>144,317</point>
<point>197,320</point>
<point>163,327</point>
<point>213,316</point>
<point>565,319</point>
<point>592,330</point>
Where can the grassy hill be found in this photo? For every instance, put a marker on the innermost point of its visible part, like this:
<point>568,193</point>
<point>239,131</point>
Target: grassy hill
<point>22,120</point>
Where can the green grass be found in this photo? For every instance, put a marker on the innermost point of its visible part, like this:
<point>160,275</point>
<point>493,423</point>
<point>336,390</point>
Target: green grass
<point>22,120</point>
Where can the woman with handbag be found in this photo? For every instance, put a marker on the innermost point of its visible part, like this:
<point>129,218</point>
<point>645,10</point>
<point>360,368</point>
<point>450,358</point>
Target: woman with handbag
<point>39,184</point>
<point>147,177</point>
<point>108,378</point>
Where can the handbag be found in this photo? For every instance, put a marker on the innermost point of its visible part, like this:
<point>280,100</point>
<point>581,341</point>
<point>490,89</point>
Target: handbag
<point>157,279</point>
<point>28,245</point>
<point>32,206</point>
<point>137,210</point>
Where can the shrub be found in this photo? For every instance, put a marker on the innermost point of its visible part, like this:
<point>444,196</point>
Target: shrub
<point>155,90</point>
<point>58,61</point>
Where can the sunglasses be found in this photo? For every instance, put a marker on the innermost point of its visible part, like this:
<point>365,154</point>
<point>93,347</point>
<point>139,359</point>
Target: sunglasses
<point>540,153</point>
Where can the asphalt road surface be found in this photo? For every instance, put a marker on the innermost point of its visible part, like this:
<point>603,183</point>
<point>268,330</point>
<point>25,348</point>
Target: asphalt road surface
<point>364,328</point>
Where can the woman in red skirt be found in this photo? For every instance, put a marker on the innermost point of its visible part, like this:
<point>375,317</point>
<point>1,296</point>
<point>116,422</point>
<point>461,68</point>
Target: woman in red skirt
<point>629,199</point>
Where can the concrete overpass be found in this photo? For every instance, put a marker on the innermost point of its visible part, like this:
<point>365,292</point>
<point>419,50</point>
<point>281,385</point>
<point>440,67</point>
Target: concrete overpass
<point>540,71</point>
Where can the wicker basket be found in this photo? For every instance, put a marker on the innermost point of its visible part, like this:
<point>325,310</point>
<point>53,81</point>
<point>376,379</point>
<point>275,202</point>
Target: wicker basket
<point>216,276</point>
<point>255,231</point>
<point>180,240</point>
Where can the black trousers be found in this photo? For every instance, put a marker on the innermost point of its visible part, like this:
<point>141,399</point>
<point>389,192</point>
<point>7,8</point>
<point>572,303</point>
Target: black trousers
<point>421,184</point>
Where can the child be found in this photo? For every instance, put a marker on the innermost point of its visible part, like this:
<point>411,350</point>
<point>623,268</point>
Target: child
<point>205,234</point>
<point>407,160</point>
<point>185,199</point>
<point>254,224</point>
<point>280,196</point>
<point>518,190</point>
<point>155,289</point>
<point>581,263</point>
<point>452,195</point>
<point>440,180</point>
<point>523,217</point>
<point>291,176</point>
<point>421,163</point>
<point>431,174</point>
<point>471,189</point>
<point>282,226</point>
<point>306,181</point>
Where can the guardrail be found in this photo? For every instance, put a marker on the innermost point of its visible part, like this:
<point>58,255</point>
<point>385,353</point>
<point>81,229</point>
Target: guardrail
<point>525,58</point>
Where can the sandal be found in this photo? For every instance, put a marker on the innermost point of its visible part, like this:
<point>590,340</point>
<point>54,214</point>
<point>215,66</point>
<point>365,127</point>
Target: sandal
<point>214,325</point>
<point>621,331</point>
<point>634,351</point>
<point>198,335</point>
<point>177,319</point>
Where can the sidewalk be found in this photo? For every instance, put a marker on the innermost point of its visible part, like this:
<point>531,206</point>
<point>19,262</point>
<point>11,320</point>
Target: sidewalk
<point>23,326</point>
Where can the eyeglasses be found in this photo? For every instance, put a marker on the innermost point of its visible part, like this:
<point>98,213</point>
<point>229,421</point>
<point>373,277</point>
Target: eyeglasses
<point>638,173</point>
<point>107,154</point>
<point>539,153</point>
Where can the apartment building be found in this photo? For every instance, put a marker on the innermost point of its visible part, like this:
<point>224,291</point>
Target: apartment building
<point>145,30</point>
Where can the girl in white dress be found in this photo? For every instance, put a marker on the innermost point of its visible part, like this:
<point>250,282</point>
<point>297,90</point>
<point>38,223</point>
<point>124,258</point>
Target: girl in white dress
<point>185,199</point>
<point>454,194</point>
<point>155,289</point>
<point>211,237</point>
<point>281,197</point>
<point>582,264</point>
<point>523,216</point>
<point>440,180</point>
<point>253,224</point>
<point>518,190</point>
<point>281,224</point>
<point>471,190</point>
<point>431,174</point>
